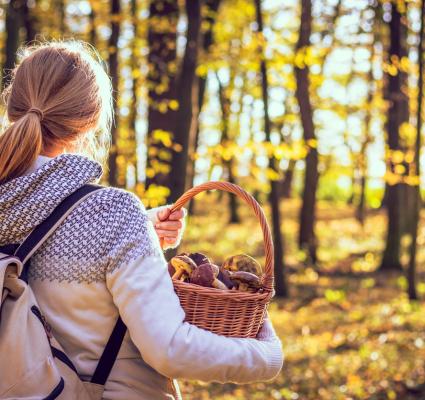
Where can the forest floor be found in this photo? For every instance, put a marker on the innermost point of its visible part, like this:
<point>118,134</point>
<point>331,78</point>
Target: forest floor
<point>348,331</point>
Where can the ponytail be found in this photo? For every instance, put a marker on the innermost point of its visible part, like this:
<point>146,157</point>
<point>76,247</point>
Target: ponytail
<point>20,144</point>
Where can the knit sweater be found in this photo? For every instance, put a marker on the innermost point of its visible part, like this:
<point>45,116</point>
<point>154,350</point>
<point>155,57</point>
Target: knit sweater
<point>105,260</point>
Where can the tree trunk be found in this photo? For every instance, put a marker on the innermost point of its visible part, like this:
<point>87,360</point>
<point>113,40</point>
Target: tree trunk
<point>61,9</point>
<point>185,99</point>
<point>227,162</point>
<point>134,61</point>
<point>14,21</point>
<point>307,237</point>
<point>115,12</point>
<point>30,21</point>
<point>280,281</point>
<point>286,188</point>
<point>397,114</point>
<point>411,270</point>
<point>363,167</point>
<point>92,19</point>
<point>161,80</point>
<point>207,41</point>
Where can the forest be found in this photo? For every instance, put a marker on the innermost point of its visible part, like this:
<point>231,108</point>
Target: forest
<point>315,107</point>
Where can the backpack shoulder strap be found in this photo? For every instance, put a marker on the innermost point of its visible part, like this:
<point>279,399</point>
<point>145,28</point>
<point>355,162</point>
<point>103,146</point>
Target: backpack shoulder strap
<point>42,231</point>
<point>33,242</point>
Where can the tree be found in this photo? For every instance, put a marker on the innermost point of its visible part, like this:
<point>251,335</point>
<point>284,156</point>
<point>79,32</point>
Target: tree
<point>115,12</point>
<point>274,198</point>
<point>185,99</point>
<point>411,271</point>
<point>209,19</point>
<point>92,20</point>
<point>135,74</point>
<point>398,113</point>
<point>161,82</point>
<point>228,160</point>
<point>307,237</point>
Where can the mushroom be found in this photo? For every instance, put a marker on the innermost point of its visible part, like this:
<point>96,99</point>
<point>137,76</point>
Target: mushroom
<point>199,258</point>
<point>242,262</point>
<point>206,275</point>
<point>245,281</point>
<point>171,269</point>
<point>183,266</point>
<point>224,276</point>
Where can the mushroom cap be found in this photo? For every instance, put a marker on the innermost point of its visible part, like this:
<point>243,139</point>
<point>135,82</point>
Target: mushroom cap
<point>242,262</point>
<point>252,280</point>
<point>199,258</point>
<point>224,276</point>
<point>204,275</point>
<point>183,262</point>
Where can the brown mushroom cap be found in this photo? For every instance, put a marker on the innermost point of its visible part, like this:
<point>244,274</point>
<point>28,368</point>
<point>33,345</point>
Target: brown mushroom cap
<point>224,276</point>
<point>242,277</point>
<point>242,262</point>
<point>199,258</point>
<point>204,275</point>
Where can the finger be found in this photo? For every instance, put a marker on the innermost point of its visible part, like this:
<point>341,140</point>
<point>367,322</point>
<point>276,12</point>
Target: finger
<point>176,215</point>
<point>169,240</point>
<point>165,233</point>
<point>163,214</point>
<point>169,225</point>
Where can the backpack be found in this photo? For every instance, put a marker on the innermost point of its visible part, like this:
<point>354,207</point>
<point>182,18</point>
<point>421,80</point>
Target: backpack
<point>32,364</point>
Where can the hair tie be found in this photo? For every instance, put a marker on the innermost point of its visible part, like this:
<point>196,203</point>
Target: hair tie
<point>36,111</point>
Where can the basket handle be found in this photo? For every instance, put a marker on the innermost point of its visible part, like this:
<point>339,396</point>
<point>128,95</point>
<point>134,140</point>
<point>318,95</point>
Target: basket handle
<point>238,191</point>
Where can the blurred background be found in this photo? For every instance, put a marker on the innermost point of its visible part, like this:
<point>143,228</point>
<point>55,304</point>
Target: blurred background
<point>314,107</point>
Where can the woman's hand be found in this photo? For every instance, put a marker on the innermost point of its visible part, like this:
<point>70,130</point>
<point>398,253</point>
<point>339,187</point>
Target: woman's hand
<point>169,225</point>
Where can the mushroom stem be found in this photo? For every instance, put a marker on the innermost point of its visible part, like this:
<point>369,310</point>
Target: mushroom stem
<point>219,285</point>
<point>243,287</point>
<point>177,275</point>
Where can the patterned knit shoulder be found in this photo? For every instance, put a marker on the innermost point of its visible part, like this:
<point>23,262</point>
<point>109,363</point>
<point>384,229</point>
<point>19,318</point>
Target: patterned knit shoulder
<point>105,232</point>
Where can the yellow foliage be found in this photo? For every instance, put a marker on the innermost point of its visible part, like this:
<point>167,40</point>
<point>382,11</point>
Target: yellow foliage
<point>164,137</point>
<point>407,132</point>
<point>173,105</point>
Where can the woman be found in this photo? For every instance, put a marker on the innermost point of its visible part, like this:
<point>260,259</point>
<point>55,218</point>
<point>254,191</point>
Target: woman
<point>105,259</point>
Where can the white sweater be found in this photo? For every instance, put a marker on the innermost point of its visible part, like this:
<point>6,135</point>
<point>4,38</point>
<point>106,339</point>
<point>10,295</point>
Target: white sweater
<point>105,259</point>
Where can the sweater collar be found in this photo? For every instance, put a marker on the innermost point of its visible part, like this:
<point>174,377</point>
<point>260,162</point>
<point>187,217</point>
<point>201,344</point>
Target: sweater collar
<point>27,200</point>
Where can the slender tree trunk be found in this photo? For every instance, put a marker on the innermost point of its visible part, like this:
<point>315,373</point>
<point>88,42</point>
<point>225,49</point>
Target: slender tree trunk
<point>61,9</point>
<point>185,99</point>
<point>397,114</point>
<point>363,167</point>
<point>228,163</point>
<point>14,21</point>
<point>134,65</point>
<point>274,198</point>
<point>207,40</point>
<point>114,73</point>
<point>307,238</point>
<point>411,271</point>
<point>92,19</point>
<point>161,80</point>
<point>286,188</point>
<point>30,21</point>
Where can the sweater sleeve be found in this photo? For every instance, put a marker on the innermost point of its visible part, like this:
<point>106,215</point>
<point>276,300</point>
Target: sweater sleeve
<point>142,290</point>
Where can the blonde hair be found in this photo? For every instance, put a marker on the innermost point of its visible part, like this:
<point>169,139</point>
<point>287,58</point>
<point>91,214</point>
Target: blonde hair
<point>59,95</point>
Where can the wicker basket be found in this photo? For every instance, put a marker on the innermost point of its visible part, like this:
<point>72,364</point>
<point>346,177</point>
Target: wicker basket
<point>228,313</point>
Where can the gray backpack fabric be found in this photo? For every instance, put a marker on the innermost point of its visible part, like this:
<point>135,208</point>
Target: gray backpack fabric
<point>32,364</point>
